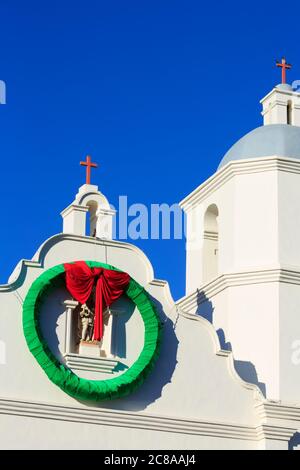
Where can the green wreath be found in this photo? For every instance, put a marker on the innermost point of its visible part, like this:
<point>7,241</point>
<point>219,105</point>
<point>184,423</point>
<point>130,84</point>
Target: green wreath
<point>63,377</point>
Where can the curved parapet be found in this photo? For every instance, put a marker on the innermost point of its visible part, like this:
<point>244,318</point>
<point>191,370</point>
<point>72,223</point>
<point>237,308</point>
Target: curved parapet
<point>66,247</point>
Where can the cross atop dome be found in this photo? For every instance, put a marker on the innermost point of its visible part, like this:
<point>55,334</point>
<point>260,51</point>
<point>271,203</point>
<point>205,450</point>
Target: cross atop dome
<point>284,66</point>
<point>282,104</point>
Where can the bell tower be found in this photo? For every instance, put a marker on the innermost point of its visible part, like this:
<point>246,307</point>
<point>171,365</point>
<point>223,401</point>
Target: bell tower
<point>282,104</point>
<point>90,213</point>
<point>243,249</point>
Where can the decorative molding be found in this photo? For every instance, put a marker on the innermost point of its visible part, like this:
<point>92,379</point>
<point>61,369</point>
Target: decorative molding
<point>238,167</point>
<point>38,260</point>
<point>104,417</point>
<point>73,207</point>
<point>279,411</point>
<point>277,433</point>
<point>104,211</point>
<point>88,363</point>
<point>160,423</point>
<point>191,301</point>
<point>279,91</point>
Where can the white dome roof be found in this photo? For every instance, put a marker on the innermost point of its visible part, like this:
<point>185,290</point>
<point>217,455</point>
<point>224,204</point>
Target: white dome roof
<point>280,140</point>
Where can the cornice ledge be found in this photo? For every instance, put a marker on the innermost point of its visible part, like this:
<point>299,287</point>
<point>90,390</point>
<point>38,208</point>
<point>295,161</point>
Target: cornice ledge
<point>266,431</point>
<point>258,276</point>
<point>161,423</point>
<point>68,209</point>
<point>279,411</point>
<point>238,167</point>
<point>277,91</point>
<point>125,419</point>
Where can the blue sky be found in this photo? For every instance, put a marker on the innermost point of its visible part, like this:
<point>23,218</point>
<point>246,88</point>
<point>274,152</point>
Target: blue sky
<point>155,91</point>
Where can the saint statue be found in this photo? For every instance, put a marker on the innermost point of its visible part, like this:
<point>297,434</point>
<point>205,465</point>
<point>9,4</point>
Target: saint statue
<point>87,323</point>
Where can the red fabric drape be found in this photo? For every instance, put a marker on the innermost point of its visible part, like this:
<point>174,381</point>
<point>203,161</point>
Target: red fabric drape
<point>110,285</point>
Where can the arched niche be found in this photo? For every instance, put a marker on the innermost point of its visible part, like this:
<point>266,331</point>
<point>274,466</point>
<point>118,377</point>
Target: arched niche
<point>210,243</point>
<point>289,112</point>
<point>91,220</point>
<point>89,215</point>
<point>99,215</point>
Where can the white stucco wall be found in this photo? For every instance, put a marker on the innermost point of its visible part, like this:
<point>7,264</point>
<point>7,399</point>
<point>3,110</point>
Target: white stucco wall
<point>289,219</point>
<point>253,302</point>
<point>193,381</point>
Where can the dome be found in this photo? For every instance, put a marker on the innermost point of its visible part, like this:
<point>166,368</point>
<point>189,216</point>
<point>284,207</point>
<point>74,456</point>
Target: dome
<point>284,87</point>
<point>281,140</point>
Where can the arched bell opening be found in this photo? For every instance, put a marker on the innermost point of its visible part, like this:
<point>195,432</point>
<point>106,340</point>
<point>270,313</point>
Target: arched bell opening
<point>210,243</point>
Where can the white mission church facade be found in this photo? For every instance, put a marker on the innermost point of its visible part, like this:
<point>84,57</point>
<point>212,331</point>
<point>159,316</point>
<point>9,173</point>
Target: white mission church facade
<point>217,369</point>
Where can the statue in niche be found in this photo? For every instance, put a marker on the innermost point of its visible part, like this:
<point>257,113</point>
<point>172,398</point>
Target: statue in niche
<point>86,322</point>
<point>86,344</point>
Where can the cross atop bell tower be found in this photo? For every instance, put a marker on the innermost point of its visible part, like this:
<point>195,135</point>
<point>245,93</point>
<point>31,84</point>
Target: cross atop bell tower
<point>90,213</point>
<point>88,164</point>
<point>284,66</point>
<point>282,104</point>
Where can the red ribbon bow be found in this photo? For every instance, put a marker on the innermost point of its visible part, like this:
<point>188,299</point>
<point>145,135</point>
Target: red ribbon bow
<point>110,285</point>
